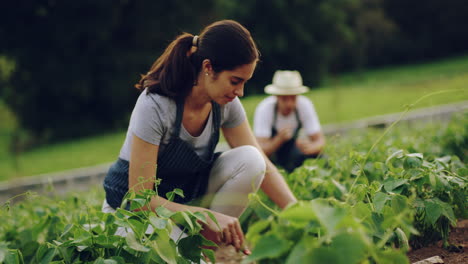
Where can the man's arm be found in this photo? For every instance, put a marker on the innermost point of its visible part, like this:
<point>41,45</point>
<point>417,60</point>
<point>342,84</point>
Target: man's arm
<point>271,145</point>
<point>311,145</point>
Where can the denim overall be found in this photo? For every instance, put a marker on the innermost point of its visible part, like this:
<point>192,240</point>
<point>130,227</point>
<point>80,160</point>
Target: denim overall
<point>288,155</point>
<point>178,166</point>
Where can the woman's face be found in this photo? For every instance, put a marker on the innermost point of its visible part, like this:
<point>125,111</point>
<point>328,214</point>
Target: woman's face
<point>225,86</point>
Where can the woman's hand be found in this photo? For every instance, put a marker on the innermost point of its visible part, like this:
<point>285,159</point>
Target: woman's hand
<point>229,231</point>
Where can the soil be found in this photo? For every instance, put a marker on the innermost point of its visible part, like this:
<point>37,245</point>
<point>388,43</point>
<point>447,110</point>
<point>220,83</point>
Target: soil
<point>457,254</point>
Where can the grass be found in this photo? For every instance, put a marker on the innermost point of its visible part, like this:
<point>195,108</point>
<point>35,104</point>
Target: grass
<point>342,98</point>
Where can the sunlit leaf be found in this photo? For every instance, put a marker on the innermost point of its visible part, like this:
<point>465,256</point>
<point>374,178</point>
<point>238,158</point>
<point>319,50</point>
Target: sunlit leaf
<point>328,216</point>
<point>379,201</point>
<point>158,223</point>
<point>134,244</point>
<point>269,246</point>
<point>163,246</point>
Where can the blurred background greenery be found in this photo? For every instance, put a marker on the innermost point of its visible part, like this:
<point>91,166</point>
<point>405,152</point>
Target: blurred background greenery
<point>67,68</point>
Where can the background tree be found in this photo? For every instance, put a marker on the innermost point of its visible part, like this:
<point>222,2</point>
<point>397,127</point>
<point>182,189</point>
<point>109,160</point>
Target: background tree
<point>75,62</point>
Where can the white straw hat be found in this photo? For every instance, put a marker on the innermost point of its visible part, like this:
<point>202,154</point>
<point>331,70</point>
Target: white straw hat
<point>286,83</point>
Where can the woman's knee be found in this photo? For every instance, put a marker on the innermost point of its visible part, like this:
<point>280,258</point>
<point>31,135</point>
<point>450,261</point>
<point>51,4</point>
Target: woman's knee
<point>252,161</point>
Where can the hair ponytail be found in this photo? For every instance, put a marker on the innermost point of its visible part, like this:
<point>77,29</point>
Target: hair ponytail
<point>173,74</point>
<point>226,43</point>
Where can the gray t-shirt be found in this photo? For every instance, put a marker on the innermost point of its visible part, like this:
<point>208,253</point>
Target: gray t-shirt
<point>153,119</point>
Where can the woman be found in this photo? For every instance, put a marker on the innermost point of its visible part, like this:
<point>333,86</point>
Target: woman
<point>190,93</point>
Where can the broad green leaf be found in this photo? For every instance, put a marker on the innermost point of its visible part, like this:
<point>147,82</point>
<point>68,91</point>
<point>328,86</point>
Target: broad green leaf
<point>379,201</point>
<point>3,251</point>
<point>13,256</point>
<point>105,261</point>
<point>118,259</point>
<point>344,249</point>
<point>362,210</point>
<point>182,218</point>
<point>321,255</point>
<point>41,251</point>
<point>164,212</point>
<point>134,244</point>
<point>257,228</point>
<point>106,241</point>
<point>158,223</point>
<point>210,254</point>
<point>198,215</point>
<point>396,154</point>
<point>300,212</point>
<point>137,226</point>
<point>137,203</point>
<point>391,257</point>
<point>413,160</point>
<point>328,216</point>
<point>391,184</point>
<point>126,213</point>
<point>447,211</point>
<point>29,248</point>
<point>269,246</point>
<point>179,192</point>
<point>163,246</point>
<point>208,243</point>
<point>213,218</point>
<point>170,196</point>
<point>190,247</point>
<point>433,211</point>
<point>399,203</point>
<point>67,230</point>
<point>50,254</point>
<point>402,239</point>
<point>300,251</point>
<point>350,247</point>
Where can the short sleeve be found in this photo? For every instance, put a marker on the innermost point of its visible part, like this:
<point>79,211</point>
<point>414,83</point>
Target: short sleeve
<point>263,118</point>
<point>233,114</point>
<point>308,115</point>
<point>147,118</point>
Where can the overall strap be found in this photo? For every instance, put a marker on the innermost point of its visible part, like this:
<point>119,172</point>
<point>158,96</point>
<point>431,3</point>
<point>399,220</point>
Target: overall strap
<point>273,129</point>
<point>299,124</point>
<point>216,108</point>
<point>275,116</point>
<point>179,116</point>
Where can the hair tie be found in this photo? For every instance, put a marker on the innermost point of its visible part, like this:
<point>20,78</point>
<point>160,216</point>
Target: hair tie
<point>195,41</point>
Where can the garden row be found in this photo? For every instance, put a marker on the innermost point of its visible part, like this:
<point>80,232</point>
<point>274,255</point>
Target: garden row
<point>375,194</point>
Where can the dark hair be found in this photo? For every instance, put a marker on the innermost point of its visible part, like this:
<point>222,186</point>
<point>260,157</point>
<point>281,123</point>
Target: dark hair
<point>227,44</point>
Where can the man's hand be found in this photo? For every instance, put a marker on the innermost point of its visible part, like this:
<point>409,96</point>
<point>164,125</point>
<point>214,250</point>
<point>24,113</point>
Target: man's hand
<point>285,134</point>
<point>311,145</point>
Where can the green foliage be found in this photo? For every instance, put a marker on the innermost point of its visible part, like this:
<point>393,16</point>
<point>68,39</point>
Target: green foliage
<point>356,206</point>
<point>76,231</point>
<point>324,231</point>
<point>367,206</point>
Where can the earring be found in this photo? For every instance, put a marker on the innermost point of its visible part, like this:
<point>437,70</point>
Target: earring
<point>206,73</point>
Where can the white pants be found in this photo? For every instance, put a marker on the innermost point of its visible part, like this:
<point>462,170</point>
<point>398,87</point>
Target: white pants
<point>236,173</point>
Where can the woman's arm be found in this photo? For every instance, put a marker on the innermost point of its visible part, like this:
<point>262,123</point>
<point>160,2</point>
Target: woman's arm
<point>273,184</point>
<point>142,175</point>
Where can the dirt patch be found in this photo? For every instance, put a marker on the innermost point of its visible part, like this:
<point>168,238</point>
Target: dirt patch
<point>458,254</point>
<point>228,255</point>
